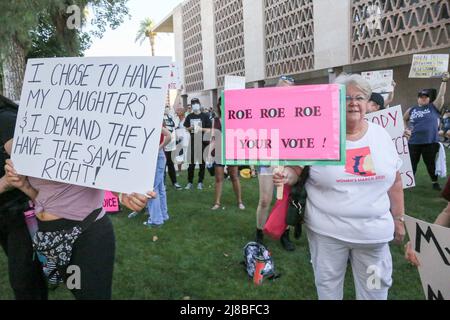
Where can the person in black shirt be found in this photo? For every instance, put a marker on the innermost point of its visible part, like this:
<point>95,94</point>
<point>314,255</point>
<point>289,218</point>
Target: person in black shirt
<point>197,123</point>
<point>25,273</point>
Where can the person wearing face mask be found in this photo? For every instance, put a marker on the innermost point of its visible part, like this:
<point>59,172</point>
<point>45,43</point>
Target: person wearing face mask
<point>169,149</point>
<point>422,131</point>
<point>188,110</point>
<point>197,123</point>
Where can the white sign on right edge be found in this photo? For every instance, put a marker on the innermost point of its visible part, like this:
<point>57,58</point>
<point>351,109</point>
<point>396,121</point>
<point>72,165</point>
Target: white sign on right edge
<point>431,244</point>
<point>391,119</point>
<point>428,65</point>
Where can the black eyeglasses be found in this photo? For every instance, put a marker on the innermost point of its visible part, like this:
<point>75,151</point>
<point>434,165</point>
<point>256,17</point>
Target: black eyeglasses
<point>286,78</point>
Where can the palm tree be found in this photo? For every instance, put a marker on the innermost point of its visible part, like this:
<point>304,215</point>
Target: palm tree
<point>145,31</point>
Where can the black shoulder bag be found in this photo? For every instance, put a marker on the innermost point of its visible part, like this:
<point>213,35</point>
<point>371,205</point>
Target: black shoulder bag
<point>54,248</point>
<point>297,203</point>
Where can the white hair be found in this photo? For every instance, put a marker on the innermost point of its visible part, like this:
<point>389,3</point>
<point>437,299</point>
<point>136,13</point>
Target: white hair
<point>356,81</point>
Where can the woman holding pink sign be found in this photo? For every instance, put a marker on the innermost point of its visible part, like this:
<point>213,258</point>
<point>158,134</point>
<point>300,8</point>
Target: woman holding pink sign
<point>354,210</point>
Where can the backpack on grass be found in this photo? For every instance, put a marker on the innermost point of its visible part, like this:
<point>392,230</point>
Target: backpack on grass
<point>254,251</point>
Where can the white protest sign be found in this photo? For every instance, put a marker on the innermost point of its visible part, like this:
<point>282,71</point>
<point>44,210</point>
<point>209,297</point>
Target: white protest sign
<point>391,119</point>
<point>428,65</point>
<point>174,77</point>
<point>94,122</point>
<point>380,81</point>
<point>431,243</point>
<point>234,83</point>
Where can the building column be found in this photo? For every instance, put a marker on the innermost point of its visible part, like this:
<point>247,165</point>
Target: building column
<point>254,40</point>
<point>184,98</point>
<point>179,44</point>
<point>209,45</point>
<point>213,98</point>
<point>332,25</point>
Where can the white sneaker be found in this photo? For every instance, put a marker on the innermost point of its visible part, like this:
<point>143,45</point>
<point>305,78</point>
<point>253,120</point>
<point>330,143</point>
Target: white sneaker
<point>188,186</point>
<point>200,186</point>
<point>177,186</point>
<point>133,214</point>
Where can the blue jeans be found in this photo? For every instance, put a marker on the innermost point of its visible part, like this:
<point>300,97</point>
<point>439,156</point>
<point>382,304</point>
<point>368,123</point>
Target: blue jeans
<point>157,208</point>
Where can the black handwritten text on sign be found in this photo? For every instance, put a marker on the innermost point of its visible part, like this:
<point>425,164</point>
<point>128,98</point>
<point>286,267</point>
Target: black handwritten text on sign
<point>94,122</point>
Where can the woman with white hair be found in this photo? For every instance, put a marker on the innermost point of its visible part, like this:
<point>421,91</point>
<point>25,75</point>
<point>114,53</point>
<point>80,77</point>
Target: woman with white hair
<point>353,210</point>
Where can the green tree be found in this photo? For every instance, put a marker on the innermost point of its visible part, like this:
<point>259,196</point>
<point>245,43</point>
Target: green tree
<point>146,31</point>
<point>40,28</point>
<point>16,19</point>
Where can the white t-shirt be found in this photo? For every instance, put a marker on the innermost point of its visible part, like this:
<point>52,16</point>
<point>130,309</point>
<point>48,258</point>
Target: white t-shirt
<point>350,202</point>
<point>170,125</point>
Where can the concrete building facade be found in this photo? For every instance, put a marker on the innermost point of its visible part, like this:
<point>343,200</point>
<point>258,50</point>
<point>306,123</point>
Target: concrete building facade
<point>311,40</point>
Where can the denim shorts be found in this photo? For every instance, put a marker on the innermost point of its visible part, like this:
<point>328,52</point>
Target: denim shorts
<point>264,170</point>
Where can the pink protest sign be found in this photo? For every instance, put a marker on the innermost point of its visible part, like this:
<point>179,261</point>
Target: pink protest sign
<point>110,202</point>
<point>284,125</point>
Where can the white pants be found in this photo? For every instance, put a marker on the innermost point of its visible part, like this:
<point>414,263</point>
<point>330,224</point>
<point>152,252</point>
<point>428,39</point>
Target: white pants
<point>371,266</point>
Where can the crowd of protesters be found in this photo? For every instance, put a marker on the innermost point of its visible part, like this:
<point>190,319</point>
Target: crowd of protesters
<point>346,227</point>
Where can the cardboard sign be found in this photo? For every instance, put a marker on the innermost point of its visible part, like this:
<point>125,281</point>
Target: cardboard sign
<point>94,122</point>
<point>431,244</point>
<point>428,65</point>
<point>391,119</point>
<point>234,83</point>
<point>111,202</point>
<point>380,81</point>
<point>284,125</point>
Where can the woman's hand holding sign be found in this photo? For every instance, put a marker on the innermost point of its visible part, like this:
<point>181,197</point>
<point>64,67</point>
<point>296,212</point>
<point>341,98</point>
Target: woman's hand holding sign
<point>410,255</point>
<point>18,181</point>
<point>289,175</point>
<point>135,201</point>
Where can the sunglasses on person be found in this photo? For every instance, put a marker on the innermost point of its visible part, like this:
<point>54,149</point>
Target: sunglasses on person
<point>288,79</point>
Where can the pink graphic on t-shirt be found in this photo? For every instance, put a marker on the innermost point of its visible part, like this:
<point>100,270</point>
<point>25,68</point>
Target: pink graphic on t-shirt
<point>359,162</point>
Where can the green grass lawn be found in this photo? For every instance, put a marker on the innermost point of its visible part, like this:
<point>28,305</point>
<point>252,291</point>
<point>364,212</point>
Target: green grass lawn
<point>198,252</point>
